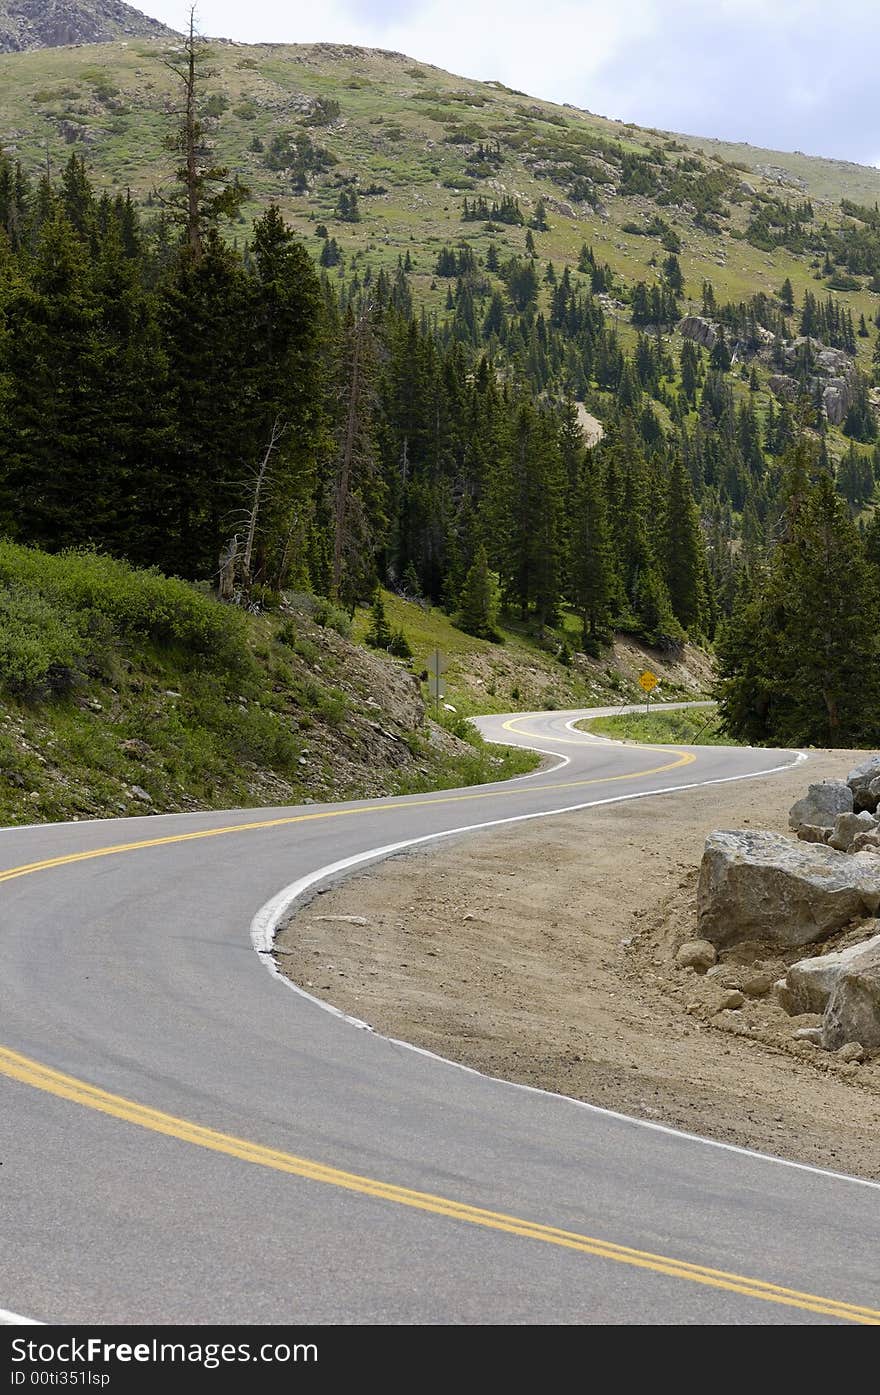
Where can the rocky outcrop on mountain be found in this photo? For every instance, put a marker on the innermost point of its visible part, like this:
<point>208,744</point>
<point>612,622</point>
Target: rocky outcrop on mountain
<point>29,24</point>
<point>701,330</point>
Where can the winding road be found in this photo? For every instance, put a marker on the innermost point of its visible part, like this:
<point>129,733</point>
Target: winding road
<point>185,1139</point>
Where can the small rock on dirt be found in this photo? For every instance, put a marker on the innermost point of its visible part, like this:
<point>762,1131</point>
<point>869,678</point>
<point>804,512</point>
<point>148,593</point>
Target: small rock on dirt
<point>811,1034</point>
<point>812,833</point>
<point>696,954</point>
<point>732,1000</point>
<point>851,1051</point>
<point>757,985</point>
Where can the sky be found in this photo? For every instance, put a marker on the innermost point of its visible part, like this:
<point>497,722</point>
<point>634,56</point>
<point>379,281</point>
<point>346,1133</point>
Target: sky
<point>787,74</point>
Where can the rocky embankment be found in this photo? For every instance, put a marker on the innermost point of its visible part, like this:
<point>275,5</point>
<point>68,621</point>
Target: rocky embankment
<point>772,896</point>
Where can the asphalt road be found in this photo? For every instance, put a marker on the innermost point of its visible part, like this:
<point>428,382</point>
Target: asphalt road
<point>185,1139</point>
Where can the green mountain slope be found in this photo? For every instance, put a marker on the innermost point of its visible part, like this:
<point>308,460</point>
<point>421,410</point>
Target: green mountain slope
<point>297,122</point>
<point>38,24</point>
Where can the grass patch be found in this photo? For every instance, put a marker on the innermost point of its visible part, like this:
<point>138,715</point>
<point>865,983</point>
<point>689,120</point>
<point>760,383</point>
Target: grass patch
<point>693,726</point>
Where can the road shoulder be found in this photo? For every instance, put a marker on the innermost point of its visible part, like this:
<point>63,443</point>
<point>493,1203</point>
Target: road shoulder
<point>543,954</point>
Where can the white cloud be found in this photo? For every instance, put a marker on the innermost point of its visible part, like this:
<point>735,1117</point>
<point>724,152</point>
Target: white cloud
<point>552,48</point>
<point>784,73</point>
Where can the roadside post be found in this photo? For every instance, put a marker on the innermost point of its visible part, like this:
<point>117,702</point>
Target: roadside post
<point>648,682</point>
<point>436,686</point>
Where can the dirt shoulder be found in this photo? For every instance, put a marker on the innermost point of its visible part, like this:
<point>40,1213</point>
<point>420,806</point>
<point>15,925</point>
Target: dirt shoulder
<point>545,954</point>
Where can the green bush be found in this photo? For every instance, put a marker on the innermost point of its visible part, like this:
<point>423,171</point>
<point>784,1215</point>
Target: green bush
<point>41,650</point>
<point>135,603</point>
<point>332,617</point>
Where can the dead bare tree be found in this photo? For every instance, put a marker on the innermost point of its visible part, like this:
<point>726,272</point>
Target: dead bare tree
<point>275,435</point>
<point>235,577</point>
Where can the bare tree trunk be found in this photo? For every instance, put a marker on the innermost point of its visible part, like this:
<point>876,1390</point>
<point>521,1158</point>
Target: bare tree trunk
<point>226,580</point>
<point>274,437</point>
<point>193,230</point>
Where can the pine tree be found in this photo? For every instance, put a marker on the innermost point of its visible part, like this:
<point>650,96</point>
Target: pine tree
<point>684,553</point>
<point>379,634</point>
<point>206,194</point>
<point>590,563</point>
<point>478,603</point>
<point>800,658</point>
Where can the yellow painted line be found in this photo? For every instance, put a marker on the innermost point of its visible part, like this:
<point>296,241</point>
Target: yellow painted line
<point>67,1087</point>
<point>588,744</point>
<point>12,873</point>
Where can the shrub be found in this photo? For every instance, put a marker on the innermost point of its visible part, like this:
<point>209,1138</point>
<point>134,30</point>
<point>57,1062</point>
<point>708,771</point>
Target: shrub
<point>332,617</point>
<point>399,645</point>
<point>41,650</point>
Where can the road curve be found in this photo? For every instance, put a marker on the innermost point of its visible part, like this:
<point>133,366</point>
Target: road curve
<point>187,1140</point>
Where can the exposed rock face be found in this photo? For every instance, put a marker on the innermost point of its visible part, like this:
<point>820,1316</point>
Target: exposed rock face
<point>28,24</point>
<point>811,982</point>
<point>837,400</point>
<point>700,330</point>
<point>848,827</point>
<point>761,886</point>
<point>822,805</point>
<point>786,389</point>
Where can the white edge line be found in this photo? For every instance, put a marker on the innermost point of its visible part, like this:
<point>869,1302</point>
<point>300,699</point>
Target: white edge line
<point>266,922</point>
<point>8,1319</point>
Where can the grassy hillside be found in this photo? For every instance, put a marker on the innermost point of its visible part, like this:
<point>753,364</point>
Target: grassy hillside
<point>409,137</point>
<point>696,726</point>
<point>124,692</point>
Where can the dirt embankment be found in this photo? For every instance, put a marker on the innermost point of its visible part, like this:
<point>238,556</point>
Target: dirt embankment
<point>544,954</point>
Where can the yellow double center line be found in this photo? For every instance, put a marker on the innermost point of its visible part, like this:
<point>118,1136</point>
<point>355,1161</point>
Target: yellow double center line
<point>32,1073</point>
<point>79,1092</point>
<point>387,806</point>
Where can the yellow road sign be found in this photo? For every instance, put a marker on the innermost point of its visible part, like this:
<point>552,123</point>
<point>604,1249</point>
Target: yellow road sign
<point>648,681</point>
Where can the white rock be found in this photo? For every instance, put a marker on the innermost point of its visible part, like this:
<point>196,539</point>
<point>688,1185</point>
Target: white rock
<point>821,805</point>
<point>810,982</point>
<point>849,826</point>
<point>853,1011</point>
<point>761,886</point>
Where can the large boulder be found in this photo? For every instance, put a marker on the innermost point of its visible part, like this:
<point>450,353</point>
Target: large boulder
<point>853,1011</point>
<point>761,886</point>
<point>822,805</point>
<point>810,982</point>
<point>860,781</point>
<point>837,399</point>
<point>848,827</point>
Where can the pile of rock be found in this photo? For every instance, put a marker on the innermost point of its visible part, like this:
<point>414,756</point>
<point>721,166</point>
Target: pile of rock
<point>784,894</point>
